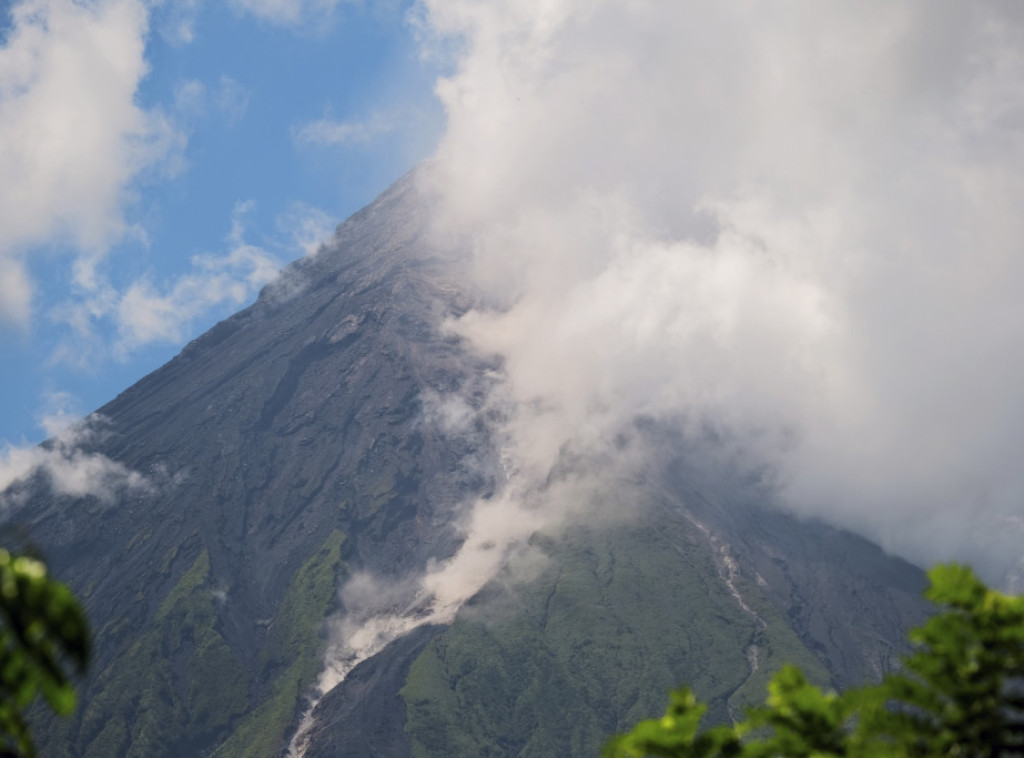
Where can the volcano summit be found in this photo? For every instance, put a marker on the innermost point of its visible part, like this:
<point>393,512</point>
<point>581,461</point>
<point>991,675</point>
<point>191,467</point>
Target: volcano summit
<point>325,547</point>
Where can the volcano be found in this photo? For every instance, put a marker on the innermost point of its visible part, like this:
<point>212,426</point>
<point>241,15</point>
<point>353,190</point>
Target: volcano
<point>304,460</point>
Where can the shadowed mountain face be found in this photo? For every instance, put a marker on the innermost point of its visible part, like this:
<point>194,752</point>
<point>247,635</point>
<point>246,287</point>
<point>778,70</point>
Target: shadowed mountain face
<point>294,446</point>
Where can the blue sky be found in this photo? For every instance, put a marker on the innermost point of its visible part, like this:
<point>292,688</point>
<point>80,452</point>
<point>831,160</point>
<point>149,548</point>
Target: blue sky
<point>229,137</point>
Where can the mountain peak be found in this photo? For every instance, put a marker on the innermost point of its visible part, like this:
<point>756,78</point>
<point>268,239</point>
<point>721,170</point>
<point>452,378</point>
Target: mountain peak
<point>316,453</point>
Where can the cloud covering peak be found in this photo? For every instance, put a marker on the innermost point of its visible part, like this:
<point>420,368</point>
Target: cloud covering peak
<point>796,223</point>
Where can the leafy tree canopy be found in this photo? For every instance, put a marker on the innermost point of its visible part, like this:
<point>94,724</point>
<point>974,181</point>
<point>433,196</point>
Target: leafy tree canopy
<point>961,693</point>
<point>43,637</point>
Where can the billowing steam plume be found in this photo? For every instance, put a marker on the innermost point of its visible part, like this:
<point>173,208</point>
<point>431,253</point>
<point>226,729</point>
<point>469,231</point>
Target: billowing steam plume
<point>798,222</point>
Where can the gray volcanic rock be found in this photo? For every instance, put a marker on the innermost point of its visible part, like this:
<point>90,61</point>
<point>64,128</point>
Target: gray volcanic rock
<point>365,715</point>
<point>292,447</point>
<point>847,600</point>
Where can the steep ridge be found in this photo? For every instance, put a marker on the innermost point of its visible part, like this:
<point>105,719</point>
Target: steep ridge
<point>293,446</point>
<point>287,445</point>
<point>711,589</point>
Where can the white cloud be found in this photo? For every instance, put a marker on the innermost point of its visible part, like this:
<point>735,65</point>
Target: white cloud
<point>72,137</point>
<point>799,223</point>
<point>60,413</point>
<point>146,314</point>
<point>146,311</point>
<point>68,467</point>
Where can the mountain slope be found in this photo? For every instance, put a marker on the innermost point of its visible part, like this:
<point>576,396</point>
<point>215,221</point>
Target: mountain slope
<point>297,420</point>
<point>294,446</point>
<point>614,618</point>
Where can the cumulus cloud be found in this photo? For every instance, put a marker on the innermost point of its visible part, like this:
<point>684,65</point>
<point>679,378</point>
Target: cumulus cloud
<point>795,227</point>
<point>72,137</point>
<point>68,467</point>
<point>796,224</point>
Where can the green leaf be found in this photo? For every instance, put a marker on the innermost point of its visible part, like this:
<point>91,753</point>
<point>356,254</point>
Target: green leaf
<point>44,637</point>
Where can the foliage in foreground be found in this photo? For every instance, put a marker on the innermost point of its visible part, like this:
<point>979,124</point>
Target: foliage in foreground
<point>43,633</point>
<point>961,693</point>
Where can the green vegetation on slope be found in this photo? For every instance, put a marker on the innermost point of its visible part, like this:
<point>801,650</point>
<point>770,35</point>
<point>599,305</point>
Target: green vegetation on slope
<point>179,678</point>
<point>296,648</point>
<point>958,695</point>
<point>180,689</point>
<point>552,668</point>
<point>777,646</point>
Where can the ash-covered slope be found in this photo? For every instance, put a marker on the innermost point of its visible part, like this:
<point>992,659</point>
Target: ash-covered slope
<point>294,445</point>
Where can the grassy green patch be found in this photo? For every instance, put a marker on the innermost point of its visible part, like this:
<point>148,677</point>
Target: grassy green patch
<point>586,649</point>
<point>193,578</point>
<point>295,648</point>
<point>180,689</point>
<point>179,683</point>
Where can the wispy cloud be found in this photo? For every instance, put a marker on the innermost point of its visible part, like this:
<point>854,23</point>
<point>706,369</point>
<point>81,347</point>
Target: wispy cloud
<point>149,311</point>
<point>146,311</point>
<point>72,137</point>
<point>194,100</point>
<point>307,227</point>
<point>329,132</point>
<point>176,20</point>
<point>231,99</point>
<point>190,100</point>
<point>147,314</point>
<point>291,13</point>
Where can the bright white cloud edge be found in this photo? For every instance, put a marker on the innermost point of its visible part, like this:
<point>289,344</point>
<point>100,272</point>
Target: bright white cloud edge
<point>71,132</point>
